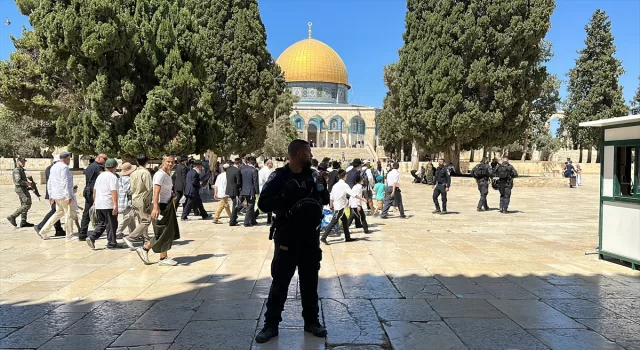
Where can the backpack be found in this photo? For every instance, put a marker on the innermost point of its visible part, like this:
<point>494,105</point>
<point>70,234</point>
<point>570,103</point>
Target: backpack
<point>503,172</point>
<point>363,175</point>
<point>480,171</point>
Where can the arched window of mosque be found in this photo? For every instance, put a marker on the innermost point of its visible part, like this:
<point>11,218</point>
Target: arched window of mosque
<point>334,124</point>
<point>299,124</point>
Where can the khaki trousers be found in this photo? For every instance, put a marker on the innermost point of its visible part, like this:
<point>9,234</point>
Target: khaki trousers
<point>223,205</point>
<point>62,209</point>
<point>142,230</point>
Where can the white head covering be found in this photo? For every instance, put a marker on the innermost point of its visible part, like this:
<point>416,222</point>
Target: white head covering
<point>56,158</point>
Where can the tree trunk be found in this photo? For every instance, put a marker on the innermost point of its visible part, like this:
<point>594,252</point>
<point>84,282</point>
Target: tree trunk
<point>589,155</point>
<point>402,150</point>
<point>471,157</point>
<point>76,161</point>
<point>484,152</point>
<point>580,157</point>
<point>524,146</point>
<point>415,156</point>
<point>598,156</point>
<point>452,155</point>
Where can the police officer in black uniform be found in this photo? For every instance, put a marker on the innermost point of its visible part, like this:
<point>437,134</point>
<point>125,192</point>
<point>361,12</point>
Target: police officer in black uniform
<point>483,173</point>
<point>505,173</point>
<point>22,187</point>
<point>296,200</point>
<point>441,187</point>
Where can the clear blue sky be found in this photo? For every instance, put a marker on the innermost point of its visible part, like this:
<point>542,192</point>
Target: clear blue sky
<point>368,33</point>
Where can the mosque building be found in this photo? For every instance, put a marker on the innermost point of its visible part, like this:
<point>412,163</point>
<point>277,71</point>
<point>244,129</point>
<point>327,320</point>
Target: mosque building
<point>316,74</point>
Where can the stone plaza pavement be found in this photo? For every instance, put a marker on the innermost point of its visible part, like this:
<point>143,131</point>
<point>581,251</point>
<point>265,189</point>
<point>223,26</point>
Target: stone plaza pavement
<point>466,280</point>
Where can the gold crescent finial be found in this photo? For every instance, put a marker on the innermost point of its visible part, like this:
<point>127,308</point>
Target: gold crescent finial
<point>310,24</point>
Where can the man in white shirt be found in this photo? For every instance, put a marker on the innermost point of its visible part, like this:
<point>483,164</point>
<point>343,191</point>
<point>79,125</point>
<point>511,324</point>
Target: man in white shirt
<point>60,190</point>
<point>263,177</point>
<point>105,201</point>
<point>338,202</point>
<point>356,204</point>
<point>393,192</point>
<point>220,194</point>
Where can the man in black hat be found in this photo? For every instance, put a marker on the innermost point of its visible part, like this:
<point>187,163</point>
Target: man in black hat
<point>192,192</point>
<point>22,186</point>
<point>180,180</point>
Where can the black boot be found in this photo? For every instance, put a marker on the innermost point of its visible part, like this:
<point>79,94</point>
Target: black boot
<point>266,333</point>
<point>444,210</point>
<point>316,329</point>
<point>24,223</point>
<point>12,220</point>
<point>437,211</point>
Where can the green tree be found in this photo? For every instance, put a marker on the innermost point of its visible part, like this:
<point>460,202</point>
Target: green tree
<point>21,135</point>
<point>468,70</point>
<point>277,141</point>
<point>635,103</point>
<point>541,110</point>
<point>390,123</point>
<point>594,92</point>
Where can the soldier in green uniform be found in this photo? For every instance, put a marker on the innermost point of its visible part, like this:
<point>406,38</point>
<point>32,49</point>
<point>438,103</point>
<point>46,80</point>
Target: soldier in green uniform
<point>22,186</point>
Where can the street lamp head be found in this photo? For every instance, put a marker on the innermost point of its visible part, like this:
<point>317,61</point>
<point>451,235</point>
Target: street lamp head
<point>7,22</point>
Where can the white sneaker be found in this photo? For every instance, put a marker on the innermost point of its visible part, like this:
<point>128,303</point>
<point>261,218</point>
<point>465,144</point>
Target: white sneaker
<point>43,236</point>
<point>143,254</point>
<point>129,243</point>
<point>167,262</point>
<point>72,238</point>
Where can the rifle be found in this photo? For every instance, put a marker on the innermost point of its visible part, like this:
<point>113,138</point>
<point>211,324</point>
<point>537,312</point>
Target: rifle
<point>34,187</point>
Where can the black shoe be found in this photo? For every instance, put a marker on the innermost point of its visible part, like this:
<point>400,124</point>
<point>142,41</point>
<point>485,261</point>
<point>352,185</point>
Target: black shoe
<point>316,329</point>
<point>324,240</point>
<point>117,246</point>
<point>26,224</point>
<point>479,209</point>
<point>505,211</point>
<point>61,233</point>
<point>184,219</point>
<point>402,216</point>
<point>437,211</point>
<point>486,209</point>
<point>233,224</point>
<point>208,217</point>
<point>91,243</point>
<point>443,212</point>
<point>12,220</point>
<point>382,216</point>
<point>350,239</point>
<point>266,333</point>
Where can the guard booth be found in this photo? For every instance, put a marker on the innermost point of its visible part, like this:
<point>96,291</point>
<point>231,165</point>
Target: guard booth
<point>619,194</point>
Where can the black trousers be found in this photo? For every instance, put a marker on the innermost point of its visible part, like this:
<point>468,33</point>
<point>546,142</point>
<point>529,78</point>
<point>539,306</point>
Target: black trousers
<point>250,216</point>
<point>307,258</point>
<point>483,188</point>
<point>358,214</point>
<point>389,200</point>
<point>105,220</point>
<point>440,189</point>
<point>194,202</point>
<point>235,207</point>
<point>84,224</point>
<point>57,225</point>
<point>338,216</point>
<point>505,194</point>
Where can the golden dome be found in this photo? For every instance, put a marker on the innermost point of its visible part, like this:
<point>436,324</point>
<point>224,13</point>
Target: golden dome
<point>314,61</point>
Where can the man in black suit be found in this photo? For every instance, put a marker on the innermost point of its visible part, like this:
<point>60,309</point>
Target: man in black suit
<point>91,174</point>
<point>234,184</point>
<point>180,181</point>
<point>249,190</point>
<point>58,227</point>
<point>192,192</point>
<point>333,175</point>
<point>351,174</point>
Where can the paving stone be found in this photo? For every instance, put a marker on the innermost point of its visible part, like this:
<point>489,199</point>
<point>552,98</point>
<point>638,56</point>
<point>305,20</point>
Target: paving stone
<point>144,347</point>
<point>622,331</point>
<point>240,309</point>
<point>416,335</point>
<point>291,339</point>
<point>469,291</point>
<point>359,347</point>
<point>465,308</point>
<point>573,339</point>
<point>167,315</point>
<point>40,331</point>
<point>404,310</point>
<point>580,308</point>
<point>79,342</point>
<point>145,337</point>
<point>79,306</point>
<point>6,331</point>
<point>507,290</point>
<point>19,316</point>
<point>205,335</point>
<point>291,314</point>
<point>369,287</point>
<point>110,318</point>
<point>629,308</point>
<point>421,287</point>
<point>534,314</point>
<point>353,322</point>
<point>491,334</point>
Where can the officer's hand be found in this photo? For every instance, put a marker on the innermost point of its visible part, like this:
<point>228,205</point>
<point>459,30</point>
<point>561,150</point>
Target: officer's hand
<point>447,189</point>
<point>28,184</point>
<point>51,201</point>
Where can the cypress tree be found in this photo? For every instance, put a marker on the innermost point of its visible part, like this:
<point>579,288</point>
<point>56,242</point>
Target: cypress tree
<point>391,131</point>
<point>594,92</point>
<point>469,69</point>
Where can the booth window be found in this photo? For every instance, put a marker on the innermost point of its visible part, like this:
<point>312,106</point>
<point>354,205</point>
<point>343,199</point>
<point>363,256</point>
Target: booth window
<point>626,167</point>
